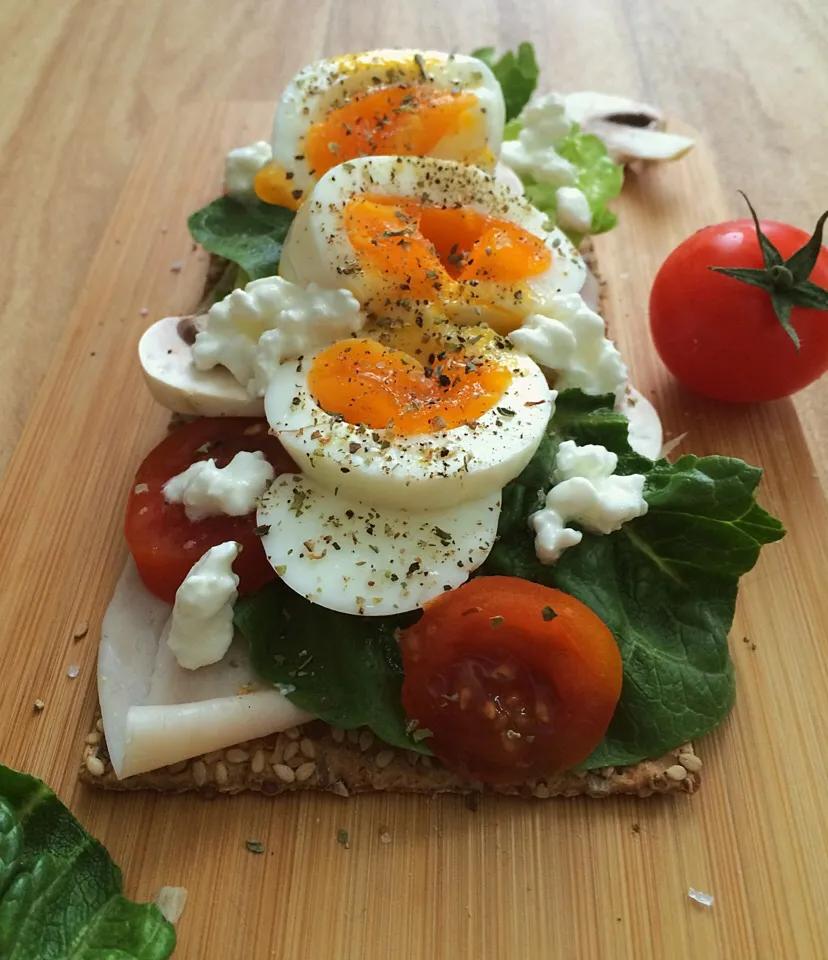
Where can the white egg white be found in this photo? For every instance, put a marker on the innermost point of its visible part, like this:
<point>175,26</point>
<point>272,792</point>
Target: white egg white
<point>318,249</point>
<point>328,84</point>
<point>431,470</point>
<point>371,560</point>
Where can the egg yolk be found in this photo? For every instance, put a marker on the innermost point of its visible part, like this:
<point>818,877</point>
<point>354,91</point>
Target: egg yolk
<point>275,185</point>
<point>400,120</point>
<point>367,383</point>
<point>434,252</point>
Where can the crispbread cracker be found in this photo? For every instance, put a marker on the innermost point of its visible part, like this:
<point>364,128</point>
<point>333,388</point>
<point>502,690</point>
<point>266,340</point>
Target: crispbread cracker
<point>318,757</point>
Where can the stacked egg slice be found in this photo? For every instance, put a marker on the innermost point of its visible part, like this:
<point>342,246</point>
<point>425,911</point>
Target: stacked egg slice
<point>380,355</point>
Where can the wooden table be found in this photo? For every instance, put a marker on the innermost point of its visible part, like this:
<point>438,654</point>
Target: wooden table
<point>83,83</point>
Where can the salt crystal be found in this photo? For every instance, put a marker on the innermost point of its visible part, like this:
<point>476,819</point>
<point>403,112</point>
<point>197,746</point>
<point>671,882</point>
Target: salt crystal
<point>73,670</point>
<point>385,837</point>
<point>177,266</point>
<point>705,899</point>
<point>144,311</point>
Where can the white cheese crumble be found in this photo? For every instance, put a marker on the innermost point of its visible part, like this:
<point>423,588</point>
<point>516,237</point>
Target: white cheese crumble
<point>241,166</point>
<point>209,491</point>
<point>202,619</point>
<point>253,330</point>
<point>573,209</point>
<point>587,491</point>
<point>544,124</point>
<point>568,337</point>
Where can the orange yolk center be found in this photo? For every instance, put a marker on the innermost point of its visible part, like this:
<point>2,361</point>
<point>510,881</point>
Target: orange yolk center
<point>369,384</point>
<point>429,250</point>
<point>389,121</point>
<point>275,185</point>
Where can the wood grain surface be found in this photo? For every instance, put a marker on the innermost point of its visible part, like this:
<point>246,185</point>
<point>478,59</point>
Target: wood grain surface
<point>83,80</point>
<point>517,880</point>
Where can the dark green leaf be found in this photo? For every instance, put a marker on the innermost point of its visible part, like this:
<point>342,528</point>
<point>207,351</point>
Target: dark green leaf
<point>250,234</point>
<point>756,278</point>
<point>782,307</point>
<point>760,525</point>
<point>770,255</point>
<point>678,677</point>
<point>665,583</point>
<point>60,893</point>
<point>516,73</point>
<point>590,419</point>
<point>808,294</point>
<point>802,263</point>
<point>345,669</point>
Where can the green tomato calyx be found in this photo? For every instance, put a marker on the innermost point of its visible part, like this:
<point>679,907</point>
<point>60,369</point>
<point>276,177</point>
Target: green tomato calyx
<point>787,281</point>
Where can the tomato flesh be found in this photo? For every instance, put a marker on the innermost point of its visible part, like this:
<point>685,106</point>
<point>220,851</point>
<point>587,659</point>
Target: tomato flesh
<point>513,679</point>
<point>164,543</point>
<point>719,336</point>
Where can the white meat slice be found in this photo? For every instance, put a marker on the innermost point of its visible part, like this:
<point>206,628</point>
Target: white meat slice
<point>157,713</point>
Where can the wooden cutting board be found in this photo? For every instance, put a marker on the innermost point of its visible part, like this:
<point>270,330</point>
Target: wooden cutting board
<point>516,880</point>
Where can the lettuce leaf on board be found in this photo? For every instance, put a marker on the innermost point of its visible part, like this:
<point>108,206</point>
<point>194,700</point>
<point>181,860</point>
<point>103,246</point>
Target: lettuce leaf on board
<point>249,233</point>
<point>665,583</point>
<point>60,893</point>
<point>345,669</point>
<point>517,73</point>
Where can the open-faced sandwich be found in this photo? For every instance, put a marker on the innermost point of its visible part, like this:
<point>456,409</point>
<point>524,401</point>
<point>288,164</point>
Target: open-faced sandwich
<point>411,528</point>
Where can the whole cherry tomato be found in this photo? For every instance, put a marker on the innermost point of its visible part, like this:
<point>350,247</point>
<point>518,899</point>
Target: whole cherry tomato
<point>737,310</point>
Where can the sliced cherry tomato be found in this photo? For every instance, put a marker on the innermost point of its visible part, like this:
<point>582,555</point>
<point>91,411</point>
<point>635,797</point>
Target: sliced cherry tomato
<point>720,335</point>
<point>163,542</point>
<point>513,679</point>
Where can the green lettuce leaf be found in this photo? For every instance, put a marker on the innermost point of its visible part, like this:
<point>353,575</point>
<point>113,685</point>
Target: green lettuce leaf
<point>345,669</point>
<point>598,177</point>
<point>60,893</point>
<point>665,583</point>
<point>249,233</point>
<point>517,74</point>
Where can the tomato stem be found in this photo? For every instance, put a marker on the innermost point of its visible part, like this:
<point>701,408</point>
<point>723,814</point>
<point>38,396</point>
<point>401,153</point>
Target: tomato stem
<point>782,277</point>
<point>787,281</point>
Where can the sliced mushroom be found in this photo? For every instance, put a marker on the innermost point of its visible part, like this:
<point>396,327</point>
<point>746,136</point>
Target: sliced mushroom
<point>174,380</point>
<point>586,105</point>
<point>631,130</point>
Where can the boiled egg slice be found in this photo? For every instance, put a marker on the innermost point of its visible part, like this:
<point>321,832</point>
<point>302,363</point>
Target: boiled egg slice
<point>385,427</point>
<point>370,560</point>
<point>383,102</point>
<point>409,234</point>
